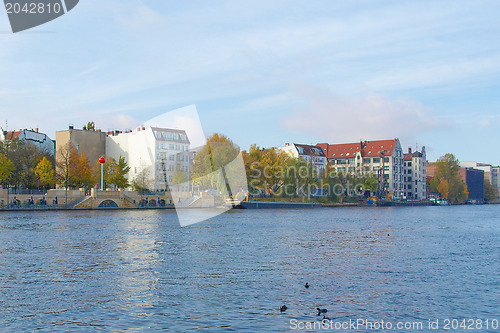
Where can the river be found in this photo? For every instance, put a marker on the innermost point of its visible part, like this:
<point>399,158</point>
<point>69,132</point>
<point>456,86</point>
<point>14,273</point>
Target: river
<point>140,271</point>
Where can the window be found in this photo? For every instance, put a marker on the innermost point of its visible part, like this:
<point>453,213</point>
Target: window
<point>386,159</point>
<point>367,160</point>
<point>409,179</point>
<point>376,160</point>
<point>409,164</point>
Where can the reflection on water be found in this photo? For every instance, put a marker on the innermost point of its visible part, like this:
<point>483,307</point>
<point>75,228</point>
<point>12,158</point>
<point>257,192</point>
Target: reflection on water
<point>141,271</point>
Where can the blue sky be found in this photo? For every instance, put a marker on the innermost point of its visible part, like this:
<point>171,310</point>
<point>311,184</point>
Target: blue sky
<point>427,72</point>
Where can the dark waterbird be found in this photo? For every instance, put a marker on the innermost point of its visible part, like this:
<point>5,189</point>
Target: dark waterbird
<point>283,308</point>
<point>306,285</point>
<point>320,311</point>
<point>325,318</point>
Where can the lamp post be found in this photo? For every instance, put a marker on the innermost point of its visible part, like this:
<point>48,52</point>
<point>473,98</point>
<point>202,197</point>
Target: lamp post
<point>102,161</point>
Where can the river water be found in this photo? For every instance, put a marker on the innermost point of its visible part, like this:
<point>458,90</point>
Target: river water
<point>140,271</point>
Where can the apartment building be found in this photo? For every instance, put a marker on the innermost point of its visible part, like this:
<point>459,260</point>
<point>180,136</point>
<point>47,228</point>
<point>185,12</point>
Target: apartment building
<point>380,158</point>
<point>92,143</point>
<point>308,153</point>
<point>38,139</point>
<point>415,173</point>
<point>155,156</point>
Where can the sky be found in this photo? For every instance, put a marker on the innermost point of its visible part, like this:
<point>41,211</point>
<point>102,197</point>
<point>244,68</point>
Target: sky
<point>266,72</point>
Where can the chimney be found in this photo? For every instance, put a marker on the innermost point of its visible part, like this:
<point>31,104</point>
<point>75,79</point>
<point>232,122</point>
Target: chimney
<point>36,129</point>
<point>110,133</point>
<point>71,127</point>
<point>409,150</point>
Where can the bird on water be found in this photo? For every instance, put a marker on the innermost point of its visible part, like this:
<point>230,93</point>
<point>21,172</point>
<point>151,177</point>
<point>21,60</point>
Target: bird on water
<point>320,311</point>
<point>306,285</point>
<point>283,308</point>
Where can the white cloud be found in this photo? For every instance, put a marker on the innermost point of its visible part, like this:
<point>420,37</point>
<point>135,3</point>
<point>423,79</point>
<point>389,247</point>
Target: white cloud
<point>372,116</point>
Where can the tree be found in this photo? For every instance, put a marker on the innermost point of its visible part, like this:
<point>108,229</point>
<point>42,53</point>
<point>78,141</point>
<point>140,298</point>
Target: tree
<point>45,172</point>
<point>143,180</point>
<point>214,156</point>
<point>6,168</point>
<point>81,170</point>
<point>63,166</point>
<point>25,156</point>
<point>433,185</point>
<point>444,189</point>
<point>119,170</point>
<point>490,191</point>
<point>89,127</point>
<point>447,171</point>
<point>179,177</point>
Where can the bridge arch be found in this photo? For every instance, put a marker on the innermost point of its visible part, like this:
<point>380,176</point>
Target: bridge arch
<point>107,203</point>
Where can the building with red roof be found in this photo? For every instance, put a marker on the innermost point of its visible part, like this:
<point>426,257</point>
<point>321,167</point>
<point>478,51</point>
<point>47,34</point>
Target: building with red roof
<point>38,139</point>
<point>380,158</point>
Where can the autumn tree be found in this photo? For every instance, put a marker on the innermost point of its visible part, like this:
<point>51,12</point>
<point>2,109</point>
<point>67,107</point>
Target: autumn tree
<point>490,191</point>
<point>80,170</point>
<point>444,189</point>
<point>45,172</point>
<point>6,168</point>
<point>433,185</point>
<point>24,156</point>
<point>448,167</point>
<point>179,177</point>
<point>215,156</point>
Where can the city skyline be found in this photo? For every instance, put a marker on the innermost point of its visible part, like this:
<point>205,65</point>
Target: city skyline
<point>268,74</point>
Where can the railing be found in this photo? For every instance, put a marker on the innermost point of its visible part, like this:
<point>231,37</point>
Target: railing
<point>26,191</point>
<point>32,206</point>
<point>77,201</point>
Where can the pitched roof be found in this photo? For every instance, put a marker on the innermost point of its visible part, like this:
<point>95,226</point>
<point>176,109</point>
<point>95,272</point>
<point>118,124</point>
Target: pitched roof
<point>409,156</point>
<point>309,150</point>
<point>12,135</point>
<point>375,148</point>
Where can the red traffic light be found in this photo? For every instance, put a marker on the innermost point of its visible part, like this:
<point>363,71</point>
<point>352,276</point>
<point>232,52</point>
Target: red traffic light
<point>102,160</point>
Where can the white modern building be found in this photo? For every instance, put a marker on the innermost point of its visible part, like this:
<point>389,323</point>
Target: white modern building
<point>308,153</point>
<point>415,173</point>
<point>158,157</point>
<point>379,158</point>
<point>40,140</point>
